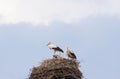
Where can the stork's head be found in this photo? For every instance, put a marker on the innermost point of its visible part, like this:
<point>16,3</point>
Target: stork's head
<point>67,50</point>
<point>49,43</point>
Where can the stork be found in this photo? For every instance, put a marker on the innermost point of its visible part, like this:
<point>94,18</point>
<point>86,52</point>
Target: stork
<point>54,48</point>
<point>70,54</point>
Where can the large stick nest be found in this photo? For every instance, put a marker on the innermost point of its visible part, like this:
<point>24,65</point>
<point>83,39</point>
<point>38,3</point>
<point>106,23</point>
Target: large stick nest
<point>57,68</point>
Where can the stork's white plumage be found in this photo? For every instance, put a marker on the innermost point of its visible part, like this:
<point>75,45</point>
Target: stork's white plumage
<point>50,45</point>
<point>70,54</point>
<point>54,48</point>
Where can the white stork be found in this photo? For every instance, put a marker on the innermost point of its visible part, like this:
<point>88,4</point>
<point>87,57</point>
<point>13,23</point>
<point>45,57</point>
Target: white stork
<point>70,54</point>
<point>54,48</point>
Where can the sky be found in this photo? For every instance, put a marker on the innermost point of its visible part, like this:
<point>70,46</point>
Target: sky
<point>90,28</point>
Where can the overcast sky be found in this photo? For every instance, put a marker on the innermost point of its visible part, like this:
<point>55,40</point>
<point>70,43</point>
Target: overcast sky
<point>47,11</point>
<point>90,28</point>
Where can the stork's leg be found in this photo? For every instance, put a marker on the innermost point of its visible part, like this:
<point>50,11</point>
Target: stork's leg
<point>54,52</point>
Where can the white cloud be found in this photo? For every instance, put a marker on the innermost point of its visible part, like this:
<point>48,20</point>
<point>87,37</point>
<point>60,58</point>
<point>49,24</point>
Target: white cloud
<point>47,11</point>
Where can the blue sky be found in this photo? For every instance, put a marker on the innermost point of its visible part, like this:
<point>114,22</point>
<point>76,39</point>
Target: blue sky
<point>90,29</point>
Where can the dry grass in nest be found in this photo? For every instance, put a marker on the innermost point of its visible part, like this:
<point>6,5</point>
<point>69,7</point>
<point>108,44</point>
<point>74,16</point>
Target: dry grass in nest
<point>53,65</point>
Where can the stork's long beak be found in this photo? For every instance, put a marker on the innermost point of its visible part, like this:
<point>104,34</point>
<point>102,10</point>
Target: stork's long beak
<point>67,48</point>
<point>48,43</point>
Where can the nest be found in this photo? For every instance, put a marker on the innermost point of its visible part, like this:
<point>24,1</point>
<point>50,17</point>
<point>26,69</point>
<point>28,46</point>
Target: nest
<point>57,68</point>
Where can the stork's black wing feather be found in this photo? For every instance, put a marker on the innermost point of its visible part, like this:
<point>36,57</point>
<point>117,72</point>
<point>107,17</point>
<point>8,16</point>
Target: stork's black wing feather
<point>73,55</point>
<point>58,49</point>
